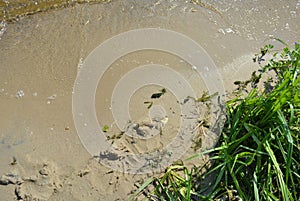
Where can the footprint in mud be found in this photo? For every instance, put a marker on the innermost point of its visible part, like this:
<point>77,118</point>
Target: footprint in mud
<point>147,129</point>
<point>11,141</point>
<point>39,186</point>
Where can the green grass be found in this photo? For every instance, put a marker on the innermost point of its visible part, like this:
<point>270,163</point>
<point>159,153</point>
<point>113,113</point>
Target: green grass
<point>258,154</point>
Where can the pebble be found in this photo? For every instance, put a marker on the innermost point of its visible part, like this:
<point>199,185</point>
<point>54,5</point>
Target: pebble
<point>20,94</point>
<point>53,97</point>
<point>229,30</point>
<point>44,172</point>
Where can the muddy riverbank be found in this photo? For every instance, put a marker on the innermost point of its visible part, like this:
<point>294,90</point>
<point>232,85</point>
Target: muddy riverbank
<point>42,156</point>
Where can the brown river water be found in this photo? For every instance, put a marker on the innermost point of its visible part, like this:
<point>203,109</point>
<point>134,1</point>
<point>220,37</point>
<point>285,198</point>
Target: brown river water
<point>44,47</point>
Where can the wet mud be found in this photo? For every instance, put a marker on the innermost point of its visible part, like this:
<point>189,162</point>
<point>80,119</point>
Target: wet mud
<point>42,157</point>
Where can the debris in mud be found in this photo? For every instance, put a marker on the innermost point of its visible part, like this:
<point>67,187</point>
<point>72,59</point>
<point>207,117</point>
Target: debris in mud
<point>84,172</point>
<point>44,172</point>
<point>227,30</point>
<point>20,94</point>
<point>105,128</point>
<point>10,178</point>
<point>18,193</point>
<point>158,95</point>
<point>109,156</point>
<point>16,10</point>
<point>51,98</point>
<point>14,161</point>
<point>150,103</point>
<point>142,130</point>
<point>3,27</point>
<point>109,172</point>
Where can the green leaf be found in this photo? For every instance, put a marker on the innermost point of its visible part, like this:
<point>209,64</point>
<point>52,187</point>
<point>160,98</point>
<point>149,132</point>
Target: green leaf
<point>105,128</point>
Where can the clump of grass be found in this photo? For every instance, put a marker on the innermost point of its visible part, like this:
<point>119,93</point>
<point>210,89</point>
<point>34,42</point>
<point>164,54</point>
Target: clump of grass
<point>177,183</point>
<point>258,154</point>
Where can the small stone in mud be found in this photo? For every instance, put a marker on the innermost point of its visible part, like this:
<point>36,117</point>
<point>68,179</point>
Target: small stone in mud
<point>53,97</point>
<point>44,171</point>
<point>20,94</point>
<point>229,30</point>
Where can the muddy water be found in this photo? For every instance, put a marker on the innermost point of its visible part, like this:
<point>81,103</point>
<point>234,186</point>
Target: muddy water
<point>40,58</point>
